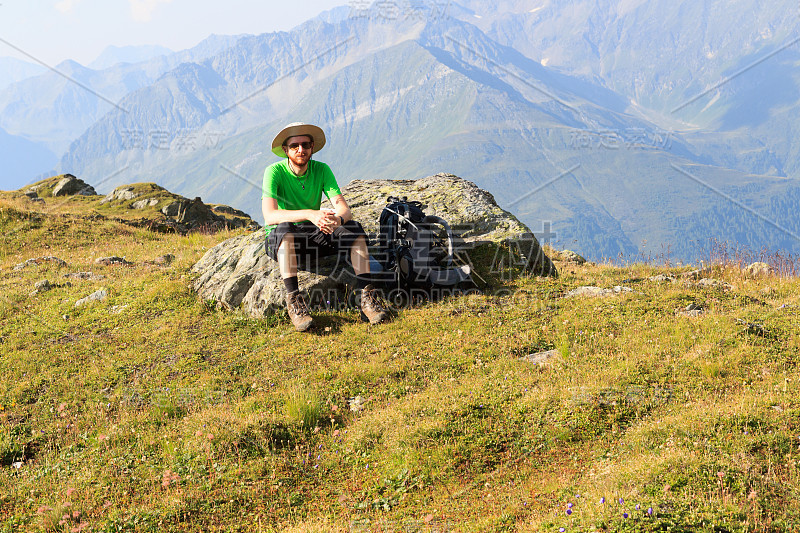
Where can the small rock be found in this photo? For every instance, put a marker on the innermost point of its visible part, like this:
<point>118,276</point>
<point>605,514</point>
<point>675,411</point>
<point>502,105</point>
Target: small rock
<point>114,260</point>
<point>39,261</point>
<point>31,194</point>
<point>568,256</point>
<point>759,270</point>
<point>165,260</point>
<point>356,404</point>
<point>172,209</point>
<point>697,274</point>
<point>711,283</point>
<point>541,358</point>
<point>124,192</point>
<point>43,286</point>
<point>589,291</point>
<point>662,278</point>
<point>595,292</point>
<point>692,310</point>
<point>97,296</point>
<point>752,328</point>
<point>147,202</point>
<point>85,276</point>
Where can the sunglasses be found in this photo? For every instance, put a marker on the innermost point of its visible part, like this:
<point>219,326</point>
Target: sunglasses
<point>306,145</point>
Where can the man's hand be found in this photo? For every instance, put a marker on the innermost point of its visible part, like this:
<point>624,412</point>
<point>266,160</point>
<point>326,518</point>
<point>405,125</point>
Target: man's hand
<point>326,220</point>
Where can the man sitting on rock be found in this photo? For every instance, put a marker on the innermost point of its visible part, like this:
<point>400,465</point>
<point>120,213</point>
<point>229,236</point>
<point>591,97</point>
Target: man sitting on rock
<point>297,227</point>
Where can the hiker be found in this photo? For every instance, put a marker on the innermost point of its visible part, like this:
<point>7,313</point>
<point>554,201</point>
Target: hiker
<point>297,228</point>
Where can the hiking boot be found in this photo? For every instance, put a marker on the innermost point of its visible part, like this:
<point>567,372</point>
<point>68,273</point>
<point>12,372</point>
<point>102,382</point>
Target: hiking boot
<point>371,306</point>
<point>298,311</point>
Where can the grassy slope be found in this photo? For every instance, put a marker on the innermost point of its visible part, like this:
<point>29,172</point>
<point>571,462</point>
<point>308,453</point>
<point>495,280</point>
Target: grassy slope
<point>153,411</point>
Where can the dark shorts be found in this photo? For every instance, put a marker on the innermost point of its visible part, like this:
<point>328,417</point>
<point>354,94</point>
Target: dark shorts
<point>310,243</point>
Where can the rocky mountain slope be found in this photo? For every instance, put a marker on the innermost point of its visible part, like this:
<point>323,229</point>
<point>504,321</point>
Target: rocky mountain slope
<point>143,205</point>
<point>724,73</point>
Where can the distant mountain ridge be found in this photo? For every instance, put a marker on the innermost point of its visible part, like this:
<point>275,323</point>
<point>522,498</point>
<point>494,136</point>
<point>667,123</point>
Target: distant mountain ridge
<point>13,70</point>
<point>114,55</point>
<point>533,103</point>
<point>710,66</point>
<point>55,107</point>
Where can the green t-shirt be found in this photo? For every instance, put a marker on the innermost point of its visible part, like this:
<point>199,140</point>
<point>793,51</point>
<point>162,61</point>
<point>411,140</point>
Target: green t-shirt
<point>298,192</point>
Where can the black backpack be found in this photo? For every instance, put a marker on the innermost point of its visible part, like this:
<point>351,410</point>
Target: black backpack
<point>416,249</point>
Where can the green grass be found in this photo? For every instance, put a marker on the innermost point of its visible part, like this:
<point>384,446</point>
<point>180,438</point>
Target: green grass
<point>153,411</point>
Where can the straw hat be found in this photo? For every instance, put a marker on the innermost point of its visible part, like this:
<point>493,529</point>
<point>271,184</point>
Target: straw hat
<point>293,130</point>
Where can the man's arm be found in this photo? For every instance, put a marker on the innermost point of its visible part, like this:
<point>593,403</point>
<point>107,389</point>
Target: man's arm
<point>273,215</point>
<point>341,207</point>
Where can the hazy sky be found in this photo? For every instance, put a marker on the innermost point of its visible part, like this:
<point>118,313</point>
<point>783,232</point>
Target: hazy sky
<point>55,30</point>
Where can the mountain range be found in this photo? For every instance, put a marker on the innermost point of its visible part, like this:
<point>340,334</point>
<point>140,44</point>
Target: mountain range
<point>13,70</point>
<point>620,129</point>
<point>56,107</point>
<point>113,55</point>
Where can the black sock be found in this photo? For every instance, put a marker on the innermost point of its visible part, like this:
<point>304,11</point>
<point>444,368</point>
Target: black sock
<point>291,284</point>
<point>363,280</point>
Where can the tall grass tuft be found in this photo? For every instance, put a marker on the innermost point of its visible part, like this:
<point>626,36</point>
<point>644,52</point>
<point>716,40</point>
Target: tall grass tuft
<point>724,254</point>
<point>304,407</point>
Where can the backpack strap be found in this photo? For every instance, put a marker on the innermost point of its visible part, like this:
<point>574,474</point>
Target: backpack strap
<point>442,222</point>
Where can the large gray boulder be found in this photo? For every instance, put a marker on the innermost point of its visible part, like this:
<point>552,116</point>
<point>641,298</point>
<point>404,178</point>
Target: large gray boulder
<point>69,185</point>
<point>237,272</point>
